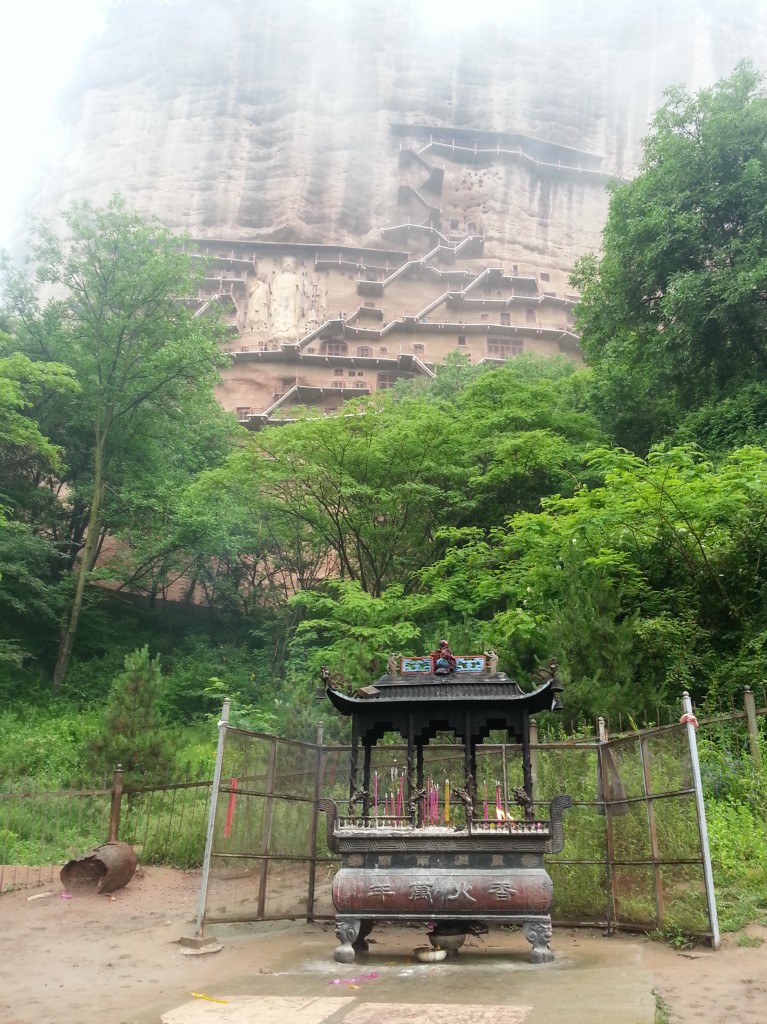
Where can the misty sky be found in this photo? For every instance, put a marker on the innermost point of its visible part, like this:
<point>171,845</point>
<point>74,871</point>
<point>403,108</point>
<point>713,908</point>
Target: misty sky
<point>40,44</point>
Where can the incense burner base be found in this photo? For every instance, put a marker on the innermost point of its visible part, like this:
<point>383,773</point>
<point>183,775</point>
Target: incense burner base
<point>451,888</point>
<point>537,930</point>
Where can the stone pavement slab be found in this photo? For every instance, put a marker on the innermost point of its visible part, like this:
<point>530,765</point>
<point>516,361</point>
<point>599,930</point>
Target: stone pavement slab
<point>264,1009</point>
<point>490,983</point>
<point>435,1013</point>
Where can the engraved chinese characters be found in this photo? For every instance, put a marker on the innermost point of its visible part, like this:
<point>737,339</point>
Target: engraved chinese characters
<point>446,892</point>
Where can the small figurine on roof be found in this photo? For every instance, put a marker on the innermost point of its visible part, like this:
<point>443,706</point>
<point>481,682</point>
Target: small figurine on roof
<point>442,660</point>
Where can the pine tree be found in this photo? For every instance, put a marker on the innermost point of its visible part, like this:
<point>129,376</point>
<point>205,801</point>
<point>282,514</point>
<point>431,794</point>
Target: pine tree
<point>133,732</point>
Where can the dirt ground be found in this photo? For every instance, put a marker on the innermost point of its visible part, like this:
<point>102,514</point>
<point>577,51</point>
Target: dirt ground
<point>117,960</point>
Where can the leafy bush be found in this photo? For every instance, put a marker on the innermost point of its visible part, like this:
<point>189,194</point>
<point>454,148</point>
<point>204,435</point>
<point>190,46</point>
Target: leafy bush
<point>189,692</point>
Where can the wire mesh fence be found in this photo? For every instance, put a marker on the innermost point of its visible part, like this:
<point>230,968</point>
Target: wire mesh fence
<point>653,842</point>
<point>166,823</point>
<point>264,851</point>
<point>632,856</point>
<point>41,829</point>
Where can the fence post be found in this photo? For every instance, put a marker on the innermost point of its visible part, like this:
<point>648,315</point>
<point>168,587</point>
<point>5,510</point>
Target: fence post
<point>612,905</point>
<point>708,876</point>
<point>313,826</point>
<point>533,757</point>
<point>116,806</point>
<point>753,728</point>
<point>223,722</point>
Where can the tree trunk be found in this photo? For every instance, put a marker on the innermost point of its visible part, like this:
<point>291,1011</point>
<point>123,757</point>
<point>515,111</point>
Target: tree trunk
<point>87,557</point>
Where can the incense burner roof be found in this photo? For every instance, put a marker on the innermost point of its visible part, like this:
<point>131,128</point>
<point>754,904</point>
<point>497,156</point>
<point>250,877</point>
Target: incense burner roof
<point>469,705</point>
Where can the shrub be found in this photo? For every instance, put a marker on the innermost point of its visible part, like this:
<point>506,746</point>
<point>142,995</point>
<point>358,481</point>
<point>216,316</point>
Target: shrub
<point>132,732</point>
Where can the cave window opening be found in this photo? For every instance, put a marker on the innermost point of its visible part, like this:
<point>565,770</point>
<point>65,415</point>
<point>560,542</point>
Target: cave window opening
<point>333,348</point>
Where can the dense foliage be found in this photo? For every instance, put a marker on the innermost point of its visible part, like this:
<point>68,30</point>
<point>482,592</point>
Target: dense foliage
<point>131,733</point>
<point>673,313</point>
<point>614,517</point>
<point>145,368</point>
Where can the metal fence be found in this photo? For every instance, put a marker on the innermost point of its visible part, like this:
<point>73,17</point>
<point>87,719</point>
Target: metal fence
<point>41,829</point>
<point>632,857</point>
<point>264,826</point>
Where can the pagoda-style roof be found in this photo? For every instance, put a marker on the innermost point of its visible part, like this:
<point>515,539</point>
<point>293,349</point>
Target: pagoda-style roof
<point>469,704</point>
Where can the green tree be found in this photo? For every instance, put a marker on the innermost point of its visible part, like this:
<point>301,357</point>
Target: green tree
<point>26,454</point>
<point>723,424</point>
<point>362,500</point>
<point>352,632</point>
<point>523,429</point>
<point>133,732</point>
<point>30,600</point>
<point>367,490</point>
<point>652,582</point>
<point>674,312</point>
<point>145,363</point>
<point>23,447</point>
<point>29,563</point>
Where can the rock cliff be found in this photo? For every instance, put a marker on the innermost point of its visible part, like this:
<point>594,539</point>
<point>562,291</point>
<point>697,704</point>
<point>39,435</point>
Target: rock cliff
<point>250,119</point>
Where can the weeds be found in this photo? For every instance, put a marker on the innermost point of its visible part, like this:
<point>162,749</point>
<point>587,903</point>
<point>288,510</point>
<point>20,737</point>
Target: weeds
<point>662,1009</point>
<point>672,937</point>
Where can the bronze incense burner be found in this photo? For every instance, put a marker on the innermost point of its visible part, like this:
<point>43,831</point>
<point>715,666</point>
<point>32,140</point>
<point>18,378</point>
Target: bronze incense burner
<point>406,865</point>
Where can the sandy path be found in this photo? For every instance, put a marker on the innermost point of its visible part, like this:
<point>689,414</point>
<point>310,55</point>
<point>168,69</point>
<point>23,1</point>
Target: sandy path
<point>101,960</point>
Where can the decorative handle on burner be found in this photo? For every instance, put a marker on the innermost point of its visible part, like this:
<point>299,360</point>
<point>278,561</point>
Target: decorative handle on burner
<point>556,810</point>
<point>331,813</point>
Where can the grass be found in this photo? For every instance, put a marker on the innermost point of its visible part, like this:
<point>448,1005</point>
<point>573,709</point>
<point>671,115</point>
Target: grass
<point>662,1010</point>
<point>746,941</point>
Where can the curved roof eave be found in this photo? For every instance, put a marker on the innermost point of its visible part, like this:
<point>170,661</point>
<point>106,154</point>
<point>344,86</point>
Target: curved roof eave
<point>537,700</point>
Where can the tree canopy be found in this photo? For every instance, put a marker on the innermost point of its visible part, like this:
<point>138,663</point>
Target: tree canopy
<point>674,311</point>
<point>650,582</point>
<point>145,367</point>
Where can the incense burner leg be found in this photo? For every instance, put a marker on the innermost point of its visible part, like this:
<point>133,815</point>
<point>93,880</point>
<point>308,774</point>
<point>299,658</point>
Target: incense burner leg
<point>538,934</point>
<point>360,943</point>
<point>347,931</point>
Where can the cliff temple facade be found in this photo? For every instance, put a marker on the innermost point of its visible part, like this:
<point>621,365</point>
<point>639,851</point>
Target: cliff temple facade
<point>378,185</point>
<point>314,325</point>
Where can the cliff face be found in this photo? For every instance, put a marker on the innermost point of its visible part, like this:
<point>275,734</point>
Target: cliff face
<point>249,119</point>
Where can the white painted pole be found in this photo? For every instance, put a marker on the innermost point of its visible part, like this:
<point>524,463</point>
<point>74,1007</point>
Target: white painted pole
<point>689,719</point>
<point>212,817</point>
